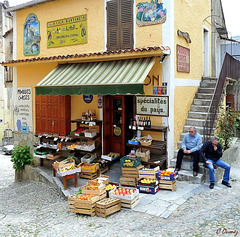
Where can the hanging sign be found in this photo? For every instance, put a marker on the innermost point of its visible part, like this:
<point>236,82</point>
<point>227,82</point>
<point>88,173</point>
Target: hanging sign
<point>100,101</point>
<point>153,105</point>
<point>88,98</point>
<point>23,110</point>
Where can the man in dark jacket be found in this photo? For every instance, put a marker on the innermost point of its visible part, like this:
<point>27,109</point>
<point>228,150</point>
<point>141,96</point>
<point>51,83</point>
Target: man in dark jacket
<point>211,152</point>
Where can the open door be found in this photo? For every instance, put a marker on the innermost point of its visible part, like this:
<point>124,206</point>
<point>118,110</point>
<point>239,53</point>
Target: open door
<point>117,112</point>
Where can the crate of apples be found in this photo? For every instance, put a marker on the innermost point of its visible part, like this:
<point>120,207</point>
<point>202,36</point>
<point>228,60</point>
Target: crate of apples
<point>124,193</point>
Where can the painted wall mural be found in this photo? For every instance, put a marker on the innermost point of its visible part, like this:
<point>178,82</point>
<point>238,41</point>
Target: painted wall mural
<point>150,13</point>
<point>31,36</point>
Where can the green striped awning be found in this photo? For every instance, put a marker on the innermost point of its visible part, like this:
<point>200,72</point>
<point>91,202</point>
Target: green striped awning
<point>107,77</point>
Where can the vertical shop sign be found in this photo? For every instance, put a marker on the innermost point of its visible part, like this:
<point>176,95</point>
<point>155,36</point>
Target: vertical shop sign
<point>100,101</point>
<point>153,105</point>
<point>23,110</point>
<point>68,31</point>
<point>31,41</point>
<point>183,59</point>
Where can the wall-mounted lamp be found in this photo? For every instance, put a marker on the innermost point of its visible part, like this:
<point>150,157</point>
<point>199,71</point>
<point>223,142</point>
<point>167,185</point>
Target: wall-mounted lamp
<point>162,58</point>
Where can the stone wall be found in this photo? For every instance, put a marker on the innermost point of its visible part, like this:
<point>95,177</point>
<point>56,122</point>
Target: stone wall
<point>25,139</point>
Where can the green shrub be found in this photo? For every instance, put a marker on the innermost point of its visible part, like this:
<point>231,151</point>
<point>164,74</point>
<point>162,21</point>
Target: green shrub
<point>21,156</point>
<point>225,127</point>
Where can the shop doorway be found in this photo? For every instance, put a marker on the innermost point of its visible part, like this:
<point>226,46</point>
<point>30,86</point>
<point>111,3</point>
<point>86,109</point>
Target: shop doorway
<point>117,112</point>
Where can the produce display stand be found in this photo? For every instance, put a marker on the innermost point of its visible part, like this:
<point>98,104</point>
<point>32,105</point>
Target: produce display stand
<point>68,176</point>
<point>107,207</point>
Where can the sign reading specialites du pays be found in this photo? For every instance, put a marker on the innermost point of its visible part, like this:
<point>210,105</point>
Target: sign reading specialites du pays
<point>153,105</point>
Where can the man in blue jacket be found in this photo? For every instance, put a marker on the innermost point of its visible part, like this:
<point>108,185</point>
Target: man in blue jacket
<point>191,145</point>
<point>211,152</point>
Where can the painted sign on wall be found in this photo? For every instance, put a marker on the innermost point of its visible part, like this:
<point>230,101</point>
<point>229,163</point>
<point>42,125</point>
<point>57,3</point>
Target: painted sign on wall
<point>31,41</point>
<point>153,105</point>
<point>150,13</point>
<point>23,109</point>
<point>183,59</point>
<point>68,31</point>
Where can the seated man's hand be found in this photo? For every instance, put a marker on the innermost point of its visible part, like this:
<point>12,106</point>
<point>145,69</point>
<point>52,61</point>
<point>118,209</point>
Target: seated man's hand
<point>187,151</point>
<point>209,162</point>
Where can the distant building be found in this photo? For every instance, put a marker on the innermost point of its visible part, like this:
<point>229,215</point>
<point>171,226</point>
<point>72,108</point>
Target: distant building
<point>6,90</point>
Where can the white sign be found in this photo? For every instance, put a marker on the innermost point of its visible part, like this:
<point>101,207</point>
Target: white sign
<point>153,105</point>
<point>23,110</point>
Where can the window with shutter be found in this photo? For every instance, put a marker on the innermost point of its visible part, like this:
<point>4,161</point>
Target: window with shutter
<point>119,24</point>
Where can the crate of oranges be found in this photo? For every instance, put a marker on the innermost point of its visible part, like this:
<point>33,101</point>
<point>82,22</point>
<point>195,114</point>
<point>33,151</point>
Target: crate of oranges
<point>166,175</point>
<point>86,199</point>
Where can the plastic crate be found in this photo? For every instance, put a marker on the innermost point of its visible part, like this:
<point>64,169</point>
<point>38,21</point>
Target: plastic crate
<point>133,142</point>
<point>129,162</point>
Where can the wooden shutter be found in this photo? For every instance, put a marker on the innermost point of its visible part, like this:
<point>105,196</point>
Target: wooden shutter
<point>113,33</point>
<point>120,24</point>
<point>126,24</point>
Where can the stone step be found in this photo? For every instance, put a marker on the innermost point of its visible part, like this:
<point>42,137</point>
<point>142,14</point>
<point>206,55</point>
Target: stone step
<point>197,115</point>
<point>201,102</point>
<point>186,129</point>
<point>195,122</point>
<point>210,79</point>
<point>207,84</point>
<point>186,175</point>
<point>187,164</point>
<point>203,96</point>
<point>198,108</point>
<point>206,90</point>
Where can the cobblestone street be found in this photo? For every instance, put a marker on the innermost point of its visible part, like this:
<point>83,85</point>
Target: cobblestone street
<point>35,209</point>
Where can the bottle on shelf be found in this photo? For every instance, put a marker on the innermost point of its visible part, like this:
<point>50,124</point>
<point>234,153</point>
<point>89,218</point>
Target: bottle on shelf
<point>130,124</point>
<point>149,123</point>
<point>134,124</point>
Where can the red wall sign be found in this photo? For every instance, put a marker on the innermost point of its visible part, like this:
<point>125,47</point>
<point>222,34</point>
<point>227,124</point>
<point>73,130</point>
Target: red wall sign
<point>183,59</point>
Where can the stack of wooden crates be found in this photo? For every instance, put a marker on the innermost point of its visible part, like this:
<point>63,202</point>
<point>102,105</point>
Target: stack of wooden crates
<point>130,170</point>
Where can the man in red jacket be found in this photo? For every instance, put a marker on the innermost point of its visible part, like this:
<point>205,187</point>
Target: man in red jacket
<point>211,152</point>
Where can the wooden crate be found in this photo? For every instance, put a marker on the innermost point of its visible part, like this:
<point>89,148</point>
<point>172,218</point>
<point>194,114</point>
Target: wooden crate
<point>103,195</point>
<point>103,170</point>
<point>166,184</point>
<point>131,172</point>
<point>130,203</point>
<point>53,156</point>
<point>101,189</point>
<point>87,209</point>
<point>87,175</point>
<point>107,207</point>
<point>71,203</point>
<point>127,181</point>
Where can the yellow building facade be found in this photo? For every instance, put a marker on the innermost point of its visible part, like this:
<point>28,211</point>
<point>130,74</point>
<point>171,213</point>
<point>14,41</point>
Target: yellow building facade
<point>157,39</point>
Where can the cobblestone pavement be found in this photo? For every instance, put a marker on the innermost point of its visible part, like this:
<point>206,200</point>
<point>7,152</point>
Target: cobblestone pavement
<point>35,209</point>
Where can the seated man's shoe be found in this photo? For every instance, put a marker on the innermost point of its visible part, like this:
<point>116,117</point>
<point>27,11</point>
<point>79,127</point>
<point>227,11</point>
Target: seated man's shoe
<point>226,184</point>
<point>176,170</point>
<point>211,186</point>
<point>195,173</point>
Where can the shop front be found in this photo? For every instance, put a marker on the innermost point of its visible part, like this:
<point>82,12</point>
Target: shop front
<point>108,98</point>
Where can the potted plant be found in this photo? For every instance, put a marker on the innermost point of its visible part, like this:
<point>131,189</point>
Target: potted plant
<point>21,156</point>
